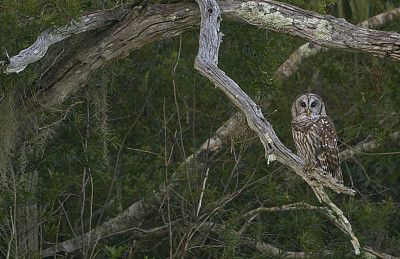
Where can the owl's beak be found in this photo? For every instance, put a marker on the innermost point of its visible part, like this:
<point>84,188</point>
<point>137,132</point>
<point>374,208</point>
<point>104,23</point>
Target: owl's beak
<point>308,112</point>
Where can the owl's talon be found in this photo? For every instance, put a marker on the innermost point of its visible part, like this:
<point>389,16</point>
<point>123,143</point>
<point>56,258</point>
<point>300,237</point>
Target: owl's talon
<point>309,168</point>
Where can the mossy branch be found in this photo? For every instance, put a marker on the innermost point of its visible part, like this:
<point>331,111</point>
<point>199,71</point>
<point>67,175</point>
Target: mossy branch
<point>206,63</point>
<point>305,51</point>
<point>49,37</point>
<point>143,24</point>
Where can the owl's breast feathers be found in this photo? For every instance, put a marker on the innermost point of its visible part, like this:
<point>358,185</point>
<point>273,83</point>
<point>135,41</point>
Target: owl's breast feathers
<point>303,124</point>
<point>321,132</point>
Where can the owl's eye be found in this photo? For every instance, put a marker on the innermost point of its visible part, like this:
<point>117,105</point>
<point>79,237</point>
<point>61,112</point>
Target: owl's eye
<point>303,104</point>
<point>313,104</point>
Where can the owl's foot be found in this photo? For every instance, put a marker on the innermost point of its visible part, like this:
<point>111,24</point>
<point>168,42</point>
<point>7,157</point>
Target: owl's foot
<point>309,168</point>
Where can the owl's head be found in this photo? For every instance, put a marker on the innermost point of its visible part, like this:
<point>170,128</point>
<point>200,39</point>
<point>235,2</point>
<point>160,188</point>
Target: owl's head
<point>308,104</point>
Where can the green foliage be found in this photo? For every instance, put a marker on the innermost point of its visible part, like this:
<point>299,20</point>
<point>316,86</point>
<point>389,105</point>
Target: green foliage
<point>118,139</point>
<point>321,6</point>
<point>22,21</point>
<point>356,11</point>
<point>113,252</point>
<point>258,61</point>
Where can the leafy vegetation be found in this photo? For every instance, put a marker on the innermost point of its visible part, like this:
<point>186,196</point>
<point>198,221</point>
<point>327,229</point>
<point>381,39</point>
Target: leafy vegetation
<point>125,133</point>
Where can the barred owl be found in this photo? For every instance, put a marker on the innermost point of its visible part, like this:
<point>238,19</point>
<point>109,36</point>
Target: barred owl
<point>315,136</point>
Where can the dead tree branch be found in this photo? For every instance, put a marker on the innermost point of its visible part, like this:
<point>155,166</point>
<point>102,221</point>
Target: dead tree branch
<point>148,23</point>
<point>259,245</point>
<point>277,252</point>
<point>143,24</point>
<point>294,206</point>
<point>305,51</point>
<point>274,251</point>
<point>49,37</point>
<point>138,212</point>
<point>251,215</point>
<point>206,62</point>
<point>366,147</point>
<point>379,254</point>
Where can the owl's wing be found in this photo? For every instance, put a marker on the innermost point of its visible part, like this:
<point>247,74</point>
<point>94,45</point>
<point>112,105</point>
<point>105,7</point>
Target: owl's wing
<point>328,153</point>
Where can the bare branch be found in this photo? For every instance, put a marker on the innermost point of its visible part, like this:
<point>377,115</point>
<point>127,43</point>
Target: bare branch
<point>379,254</point>
<point>49,37</point>
<point>294,206</point>
<point>144,24</point>
<point>206,62</point>
<point>270,249</point>
<point>380,20</point>
<point>274,251</point>
<point>251,215</point>
<point>132,217</point>
<point>202,192</point>
<point>259,245</point>
<point>293,63</point>
<point>277,252</point>
<point>369,146</point>
<point>154,22</point>
<point>141,25</point>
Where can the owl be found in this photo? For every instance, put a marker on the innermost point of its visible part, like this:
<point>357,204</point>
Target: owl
<point>315,136</point>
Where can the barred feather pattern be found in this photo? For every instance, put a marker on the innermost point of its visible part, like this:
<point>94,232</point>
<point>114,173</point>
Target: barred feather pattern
<point>316,142</point>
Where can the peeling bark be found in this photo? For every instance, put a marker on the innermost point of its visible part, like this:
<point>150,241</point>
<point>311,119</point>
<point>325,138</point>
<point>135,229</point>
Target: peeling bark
<point>206,63</point>
<point>132,217</point>
<point>293,63</point>
<point>49,37</point>
<point>144,24</point>
<point>148,23</point>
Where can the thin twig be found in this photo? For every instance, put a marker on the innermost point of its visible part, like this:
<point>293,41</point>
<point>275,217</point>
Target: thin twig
<point>202,192</point>
<point>305,51</point>
<point>379,254</point>
<point>206,62</point>
<point>166,162</point>
<point>139,113</point>
<point>251,215</point>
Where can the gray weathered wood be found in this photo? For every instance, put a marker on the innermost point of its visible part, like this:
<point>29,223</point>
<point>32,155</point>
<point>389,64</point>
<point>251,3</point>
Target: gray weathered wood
<point>147,23</point>
<point>324,30</point>
<point>206,63</point>
<point>131,219</point>
<point>305,51</point>
<point>155,22</point>
<point>142,25</point>
<point>51,36</point>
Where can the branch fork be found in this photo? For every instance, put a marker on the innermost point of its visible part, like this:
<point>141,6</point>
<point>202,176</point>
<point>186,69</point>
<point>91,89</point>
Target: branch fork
<point>206,63</point>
